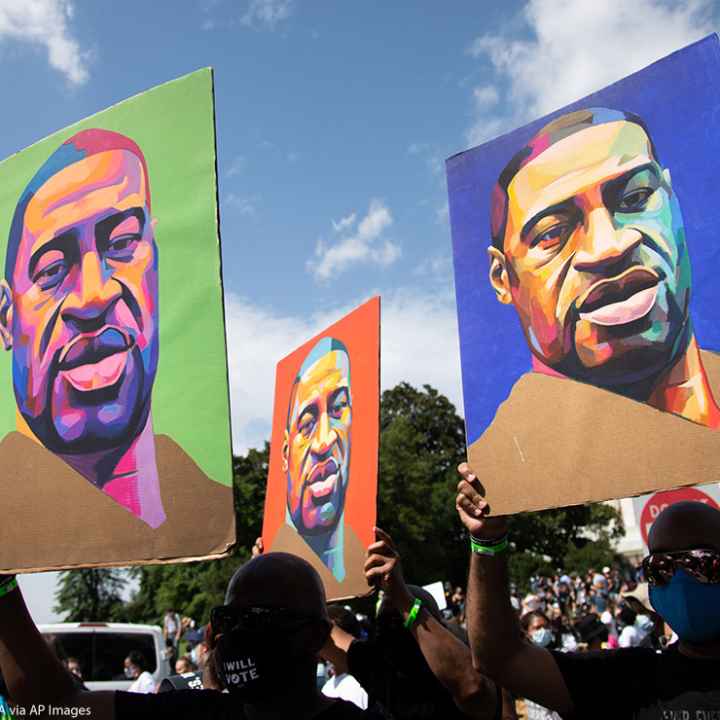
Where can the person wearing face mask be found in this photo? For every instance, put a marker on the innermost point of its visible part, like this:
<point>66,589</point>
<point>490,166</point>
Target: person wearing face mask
<point>537,629</point>
<point>683,573</point>
<point>136,670</point>
<point>265,641</point>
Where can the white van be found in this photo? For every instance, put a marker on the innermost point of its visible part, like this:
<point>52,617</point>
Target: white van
<point>101,649</point>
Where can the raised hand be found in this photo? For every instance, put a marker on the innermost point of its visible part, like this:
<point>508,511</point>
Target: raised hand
<point>473,508</point>
<point>257,548</point>
<point>383,570</point>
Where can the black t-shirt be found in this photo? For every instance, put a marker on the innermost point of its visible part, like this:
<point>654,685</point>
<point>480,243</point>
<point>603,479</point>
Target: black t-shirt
<point>641,683</point>
<point>400,688</point>
<point>210,704</point>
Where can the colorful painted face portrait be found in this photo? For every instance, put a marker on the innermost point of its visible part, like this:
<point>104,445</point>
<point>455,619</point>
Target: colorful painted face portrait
<point>81,299</point>
<point>319,505</point>
<point>92,240</point>
<point>587,323</point>
<point>316,447</point>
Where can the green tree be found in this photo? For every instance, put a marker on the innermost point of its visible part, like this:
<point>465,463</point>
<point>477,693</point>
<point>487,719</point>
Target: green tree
<point>90,595</point>
<point>422,440</point>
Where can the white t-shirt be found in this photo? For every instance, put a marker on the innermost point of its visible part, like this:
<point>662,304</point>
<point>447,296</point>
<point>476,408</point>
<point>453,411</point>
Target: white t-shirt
<point>346,687</point>
<point>538,712</point>
<point>143,683</point>
<point>630,637</point>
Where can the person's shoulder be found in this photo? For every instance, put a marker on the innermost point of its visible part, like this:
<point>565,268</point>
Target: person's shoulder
<point>361,650</point>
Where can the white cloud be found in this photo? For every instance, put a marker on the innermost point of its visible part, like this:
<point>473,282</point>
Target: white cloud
<point>267,13</point>
<point>344,223</point>
<point>45,23</point>
<point>486,96</point>
<point>243,204</point>
<point>356,244</point>
<point>575,48</point>
<point>417,148</point>
<point>237,166</point>
<point>442,214</point>
<point>419,345</point>
<point>438,267</point>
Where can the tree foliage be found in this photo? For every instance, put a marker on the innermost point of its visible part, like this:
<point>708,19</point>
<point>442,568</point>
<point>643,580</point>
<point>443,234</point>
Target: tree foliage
<point>422,440</point>
<point>90,595</point>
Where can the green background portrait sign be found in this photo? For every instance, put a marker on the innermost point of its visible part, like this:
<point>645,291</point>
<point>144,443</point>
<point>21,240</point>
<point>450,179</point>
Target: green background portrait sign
<point>114,423</point>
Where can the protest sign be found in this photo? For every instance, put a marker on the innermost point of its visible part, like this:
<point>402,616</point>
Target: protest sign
<point>114,423</point>
<point>584,248</point>
<point>322,480</point>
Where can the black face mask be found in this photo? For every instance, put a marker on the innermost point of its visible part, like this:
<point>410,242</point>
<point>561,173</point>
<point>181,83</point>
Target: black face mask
<point>248,662</point>
<point>255,646</point>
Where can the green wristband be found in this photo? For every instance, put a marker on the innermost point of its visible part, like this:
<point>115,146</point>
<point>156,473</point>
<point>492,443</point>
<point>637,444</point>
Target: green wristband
<point>8,586</point>
<point>489,549</point>
<point>412,615</point>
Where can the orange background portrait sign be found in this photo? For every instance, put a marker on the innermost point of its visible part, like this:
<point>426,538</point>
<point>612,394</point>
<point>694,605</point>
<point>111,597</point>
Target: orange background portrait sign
<point>322,480</point>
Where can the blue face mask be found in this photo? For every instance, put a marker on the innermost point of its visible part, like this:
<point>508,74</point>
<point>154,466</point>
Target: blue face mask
<point>690,608</point>
<point>542,636</point>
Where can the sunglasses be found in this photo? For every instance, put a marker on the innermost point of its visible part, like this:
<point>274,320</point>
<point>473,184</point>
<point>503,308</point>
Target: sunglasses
<point>226,618</point>
<point>702,564</point>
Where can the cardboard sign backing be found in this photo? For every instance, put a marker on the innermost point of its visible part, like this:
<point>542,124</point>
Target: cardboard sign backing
<point>584,247</point>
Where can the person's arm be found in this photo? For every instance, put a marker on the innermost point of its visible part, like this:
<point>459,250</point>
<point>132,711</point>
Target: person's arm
<point>336,647</point>
<point>448,658</point>
<point>508,711</point>
<point>498,648</point>
<point>34,675</point>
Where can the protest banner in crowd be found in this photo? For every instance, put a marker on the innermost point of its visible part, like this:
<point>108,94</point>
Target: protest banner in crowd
<point>322,479</point>
<point>114,422</point>
<point>585,254</point>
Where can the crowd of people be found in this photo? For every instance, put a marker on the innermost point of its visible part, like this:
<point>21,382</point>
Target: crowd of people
<point>551,649</point>
<point>575,611</point>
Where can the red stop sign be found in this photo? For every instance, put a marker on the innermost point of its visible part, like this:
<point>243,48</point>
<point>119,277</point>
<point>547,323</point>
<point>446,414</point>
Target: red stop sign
<point>660,500</point>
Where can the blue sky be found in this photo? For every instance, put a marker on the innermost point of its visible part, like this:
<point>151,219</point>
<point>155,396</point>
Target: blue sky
<point>333,122</point>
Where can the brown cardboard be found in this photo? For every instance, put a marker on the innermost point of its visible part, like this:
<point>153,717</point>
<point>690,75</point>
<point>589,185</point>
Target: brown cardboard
<point>355,585</point>
<point>54,519</point>
<point>557,442</point>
